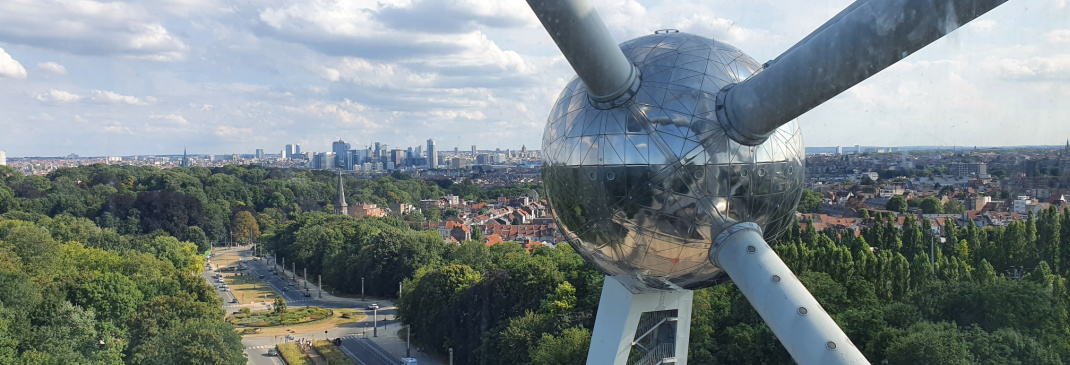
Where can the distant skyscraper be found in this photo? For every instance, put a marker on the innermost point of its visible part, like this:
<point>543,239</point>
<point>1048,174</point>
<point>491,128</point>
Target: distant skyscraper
<point>289,151</point>
<point>260,154</point>
<point>473,150</point>
<point>432,154</point>
<point>3,158</point>
<point>297,149</point>
<point>340,148</point>
<point>377,152</point>
<point>456,150</point>
<point>185,158</point>
<point>419,152</point>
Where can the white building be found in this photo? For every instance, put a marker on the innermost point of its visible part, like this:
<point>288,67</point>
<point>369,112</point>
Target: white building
<point>3,158</point>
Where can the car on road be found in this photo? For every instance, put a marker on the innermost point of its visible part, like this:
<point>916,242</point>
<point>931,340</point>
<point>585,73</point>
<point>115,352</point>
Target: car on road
<point>285,289</point>
<point>307,294</point>
<point>373,306</point>
<point>273,352</point>
<point>261,276</point>
<point>235,300</point>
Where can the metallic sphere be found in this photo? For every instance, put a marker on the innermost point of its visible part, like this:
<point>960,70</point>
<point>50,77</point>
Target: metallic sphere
<point>642,190</point>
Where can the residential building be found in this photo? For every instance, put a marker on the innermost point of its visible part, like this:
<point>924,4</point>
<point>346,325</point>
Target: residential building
<point>967,169</point>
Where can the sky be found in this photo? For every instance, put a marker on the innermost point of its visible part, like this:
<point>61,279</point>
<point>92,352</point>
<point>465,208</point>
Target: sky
<point>125,77</point>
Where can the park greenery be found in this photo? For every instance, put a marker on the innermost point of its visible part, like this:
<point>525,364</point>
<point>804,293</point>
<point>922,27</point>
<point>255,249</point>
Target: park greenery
<point>99,264</point>
<point>284,317</point>
<point>331,353</point>
<point>293,355</point>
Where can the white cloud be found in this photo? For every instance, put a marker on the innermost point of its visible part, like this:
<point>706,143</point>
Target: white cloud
<point>1056,67</point>
<point>1058,36</point>
<point>982,25</point>
<point>58,96</point>
<point>9,67</point>
<point>116,98</point>
<point>89,27</point>
<point>53,68</point>
<point>177,119</point>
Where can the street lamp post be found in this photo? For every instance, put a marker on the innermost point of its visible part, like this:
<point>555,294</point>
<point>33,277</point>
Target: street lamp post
<point>375,322</point>
<point>451,356</point>
<point>362,289</point>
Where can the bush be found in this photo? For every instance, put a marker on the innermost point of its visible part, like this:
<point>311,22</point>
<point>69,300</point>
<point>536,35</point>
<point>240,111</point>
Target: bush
<point>293,355</point>
<point>331,353</point>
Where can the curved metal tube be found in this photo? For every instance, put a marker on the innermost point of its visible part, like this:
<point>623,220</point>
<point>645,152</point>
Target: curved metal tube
<point>587,45</point>
<point>862,40</point>
<point>806,330</point>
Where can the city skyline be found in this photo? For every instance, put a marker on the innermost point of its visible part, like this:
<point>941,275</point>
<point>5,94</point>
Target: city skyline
<point>219,75</point>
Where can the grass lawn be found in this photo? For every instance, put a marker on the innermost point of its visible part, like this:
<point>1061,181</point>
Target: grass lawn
<point>293,354</point>
<point>249,288</point>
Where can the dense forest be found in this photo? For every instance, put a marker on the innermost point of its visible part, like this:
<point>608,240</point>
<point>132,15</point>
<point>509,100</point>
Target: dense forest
<point>993,295</point>
<point>98,265</point>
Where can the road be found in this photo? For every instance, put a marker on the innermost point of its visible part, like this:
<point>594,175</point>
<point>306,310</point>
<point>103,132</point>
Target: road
<point>358,341</point>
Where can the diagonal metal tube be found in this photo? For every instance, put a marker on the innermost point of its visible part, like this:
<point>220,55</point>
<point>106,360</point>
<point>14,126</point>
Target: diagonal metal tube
<point>864,39</point>
<point>809,334</point>
<point>587,45</point>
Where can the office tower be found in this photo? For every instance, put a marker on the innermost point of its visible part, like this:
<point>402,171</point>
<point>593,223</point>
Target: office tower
<point>397,156</point>
<point>259,153</point>
<point>3,158</point>
<point>432,155</point>
<point>456,150</point>
<point>185,158</point>
<point>473,150</point>
<point>297,149</point>
<point>340,148</point>
<point>419,152</point>
<point>289,151</point>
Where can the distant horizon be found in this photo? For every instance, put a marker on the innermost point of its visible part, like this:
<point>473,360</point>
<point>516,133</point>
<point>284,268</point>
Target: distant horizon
<point>462,151</point>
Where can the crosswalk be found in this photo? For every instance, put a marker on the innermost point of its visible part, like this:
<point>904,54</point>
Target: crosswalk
<point>259,347</point>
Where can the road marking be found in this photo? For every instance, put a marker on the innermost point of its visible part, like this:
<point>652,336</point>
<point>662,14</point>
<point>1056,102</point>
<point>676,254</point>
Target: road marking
<point>351,356</point>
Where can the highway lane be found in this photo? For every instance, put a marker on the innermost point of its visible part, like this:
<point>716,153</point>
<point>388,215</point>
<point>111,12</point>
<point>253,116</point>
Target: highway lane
<point>259,356</point>
<point>366,352</point>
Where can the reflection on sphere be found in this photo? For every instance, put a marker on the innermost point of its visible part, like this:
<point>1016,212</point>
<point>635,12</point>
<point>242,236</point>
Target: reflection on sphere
<point>641,190</point>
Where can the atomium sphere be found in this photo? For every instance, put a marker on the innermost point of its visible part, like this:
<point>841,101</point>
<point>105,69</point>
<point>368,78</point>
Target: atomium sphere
<point>642,190</point>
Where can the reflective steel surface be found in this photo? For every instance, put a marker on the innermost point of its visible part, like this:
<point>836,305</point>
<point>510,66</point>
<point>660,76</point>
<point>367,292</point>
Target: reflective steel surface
<point>641,190</point>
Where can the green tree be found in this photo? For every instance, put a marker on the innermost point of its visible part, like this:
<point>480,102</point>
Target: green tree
<point>896,204</point>
<point>196,236</point>
<point>810,202</point>
<point>954,206</point>
<point>244,229</point>
<point>928,343</point>
<point>931,205</point>
<point>569,348</point>
<point>280,305</point>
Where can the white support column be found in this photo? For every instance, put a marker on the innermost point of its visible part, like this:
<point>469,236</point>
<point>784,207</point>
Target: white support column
<point>619,311</point>
<point>806,330</point>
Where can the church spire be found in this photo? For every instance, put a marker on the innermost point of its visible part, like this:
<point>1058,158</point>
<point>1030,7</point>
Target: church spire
<point>185,159</point>
<point>341,208</point>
